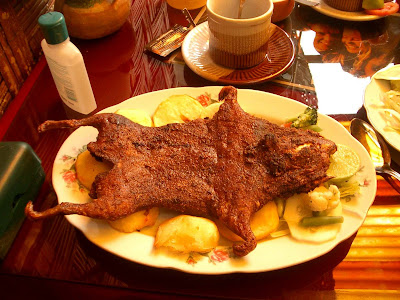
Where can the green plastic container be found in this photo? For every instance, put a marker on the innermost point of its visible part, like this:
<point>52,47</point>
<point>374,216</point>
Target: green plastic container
<point>21,177</point>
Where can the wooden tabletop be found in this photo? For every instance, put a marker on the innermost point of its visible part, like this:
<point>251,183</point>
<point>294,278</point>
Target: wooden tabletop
<point>51,258</point>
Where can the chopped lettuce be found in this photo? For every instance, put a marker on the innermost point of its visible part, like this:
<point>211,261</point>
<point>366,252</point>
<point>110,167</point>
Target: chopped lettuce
<point>349,188</point>
<point>395,85</point>
<point>392,99</point>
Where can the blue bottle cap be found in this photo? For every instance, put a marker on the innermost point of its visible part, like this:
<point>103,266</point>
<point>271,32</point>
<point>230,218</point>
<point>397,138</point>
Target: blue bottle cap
<point>53,27</point>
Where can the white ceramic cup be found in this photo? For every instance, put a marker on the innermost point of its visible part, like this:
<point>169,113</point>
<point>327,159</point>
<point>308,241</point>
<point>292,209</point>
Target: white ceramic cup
<point>239,43</point>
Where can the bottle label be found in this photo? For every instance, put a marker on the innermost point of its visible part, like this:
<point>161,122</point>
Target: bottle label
<point>63,81</point>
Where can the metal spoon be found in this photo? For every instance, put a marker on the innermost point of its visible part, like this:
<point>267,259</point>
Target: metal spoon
<point>240,8</point>
<point>377,149</point>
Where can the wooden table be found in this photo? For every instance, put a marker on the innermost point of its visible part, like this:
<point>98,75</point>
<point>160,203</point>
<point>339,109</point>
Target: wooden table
<point>50,258</point>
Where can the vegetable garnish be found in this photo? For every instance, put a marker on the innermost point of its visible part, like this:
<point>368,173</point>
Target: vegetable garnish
<point>392,99</point>
<point>373,4</point>
<point>317,216</point>
<point>348,188</point>
<point>388,8</point>
<point>345,162</point>
<point>306,120</point>
<point>321,221</point>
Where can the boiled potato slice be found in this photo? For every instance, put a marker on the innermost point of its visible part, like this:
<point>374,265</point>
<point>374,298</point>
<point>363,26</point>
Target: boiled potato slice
<point>185,234</point>
<point>137,116</point>
<point>209,111</point>
<point>136,221</point>
<point>87,167</point>
<point>263,223</point>
<point>177,109</point>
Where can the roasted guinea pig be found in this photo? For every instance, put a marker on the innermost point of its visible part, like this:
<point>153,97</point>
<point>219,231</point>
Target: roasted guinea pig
<point>224,168</point>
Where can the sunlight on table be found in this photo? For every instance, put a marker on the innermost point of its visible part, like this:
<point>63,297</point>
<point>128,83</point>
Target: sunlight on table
<point>338,92</point>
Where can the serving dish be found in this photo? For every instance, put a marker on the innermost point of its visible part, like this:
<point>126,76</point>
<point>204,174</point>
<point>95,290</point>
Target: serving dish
<point>270,254</point>
<point>374,106</point>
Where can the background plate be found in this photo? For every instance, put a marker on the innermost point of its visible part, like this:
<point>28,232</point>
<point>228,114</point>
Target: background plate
<point>373,104</point>
<point>325,9</point>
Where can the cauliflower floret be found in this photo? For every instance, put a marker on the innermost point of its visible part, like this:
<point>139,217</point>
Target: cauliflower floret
<point>322,198</point>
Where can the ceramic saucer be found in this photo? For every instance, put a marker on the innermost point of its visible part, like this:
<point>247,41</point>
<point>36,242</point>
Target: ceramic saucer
<point>196,55</point>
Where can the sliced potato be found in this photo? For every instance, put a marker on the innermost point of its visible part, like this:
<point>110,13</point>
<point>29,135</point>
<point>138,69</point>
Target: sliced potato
<point>177,109</point>
<point>87,167</point>
<point>185,234</point>
<point>137,116</point>
<point>136,221</point>
<point>209,111</point>
<point>263,223</point>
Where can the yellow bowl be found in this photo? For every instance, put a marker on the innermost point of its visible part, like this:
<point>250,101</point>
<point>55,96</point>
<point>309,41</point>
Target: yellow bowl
<point>282,9</point>
<point>96,21</point>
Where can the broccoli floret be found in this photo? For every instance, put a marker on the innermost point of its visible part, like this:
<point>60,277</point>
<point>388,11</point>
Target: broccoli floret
<point>307,118</point>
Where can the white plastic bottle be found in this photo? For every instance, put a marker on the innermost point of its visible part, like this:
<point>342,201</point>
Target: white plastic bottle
<point>66,64</point>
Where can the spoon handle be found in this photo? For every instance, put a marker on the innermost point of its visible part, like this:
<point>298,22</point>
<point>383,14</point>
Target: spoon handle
<point>393,173</point>
<point>391,181</point>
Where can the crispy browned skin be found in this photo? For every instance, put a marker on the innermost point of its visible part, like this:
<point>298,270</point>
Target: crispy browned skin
<point>225,168</point>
